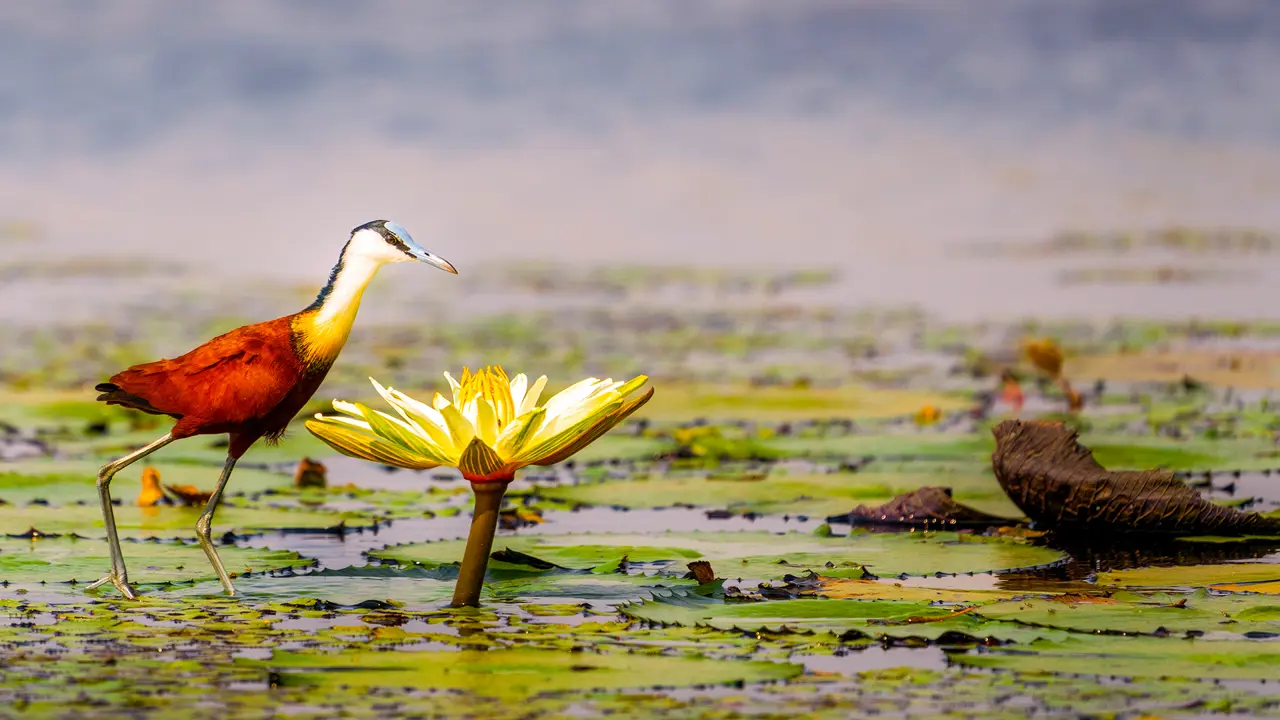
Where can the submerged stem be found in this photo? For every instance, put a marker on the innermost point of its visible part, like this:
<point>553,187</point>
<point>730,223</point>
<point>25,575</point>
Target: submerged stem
<point>475,559</point>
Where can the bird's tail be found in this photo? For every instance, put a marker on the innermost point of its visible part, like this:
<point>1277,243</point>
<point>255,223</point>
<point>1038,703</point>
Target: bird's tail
<point>112,394</point>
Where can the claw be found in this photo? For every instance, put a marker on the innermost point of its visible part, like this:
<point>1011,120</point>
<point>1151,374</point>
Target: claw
<point>121,584</point>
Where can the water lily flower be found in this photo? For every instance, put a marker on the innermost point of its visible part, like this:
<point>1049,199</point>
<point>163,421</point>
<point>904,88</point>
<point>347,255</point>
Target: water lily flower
<point>491,427</point>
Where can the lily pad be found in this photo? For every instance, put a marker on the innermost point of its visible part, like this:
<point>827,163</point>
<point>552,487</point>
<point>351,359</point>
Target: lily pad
<point>1136,657</point>
<point>64,560</point>
<point>169,521</point>
<point>1269,588</point>
<point>1191,576</point>
<point>415,587</point>
<point>752,554</point>
<point>1145,614</point>
<point>64,482</point>
<point>855,589</point>
<point>817,495</point>
<point>513,674</point>
<point>686,402</point>
<point>852,618</point>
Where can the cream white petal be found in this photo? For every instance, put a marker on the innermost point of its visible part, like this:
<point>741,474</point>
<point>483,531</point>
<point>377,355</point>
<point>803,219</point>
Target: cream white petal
<point>460,428</point>
<point>519,386</point>
<point>573,416</point>
<point>389,398</point>
<point>532,396</point>
<point>348,408</point>
<point>352,422</point>
<point>570,396</point>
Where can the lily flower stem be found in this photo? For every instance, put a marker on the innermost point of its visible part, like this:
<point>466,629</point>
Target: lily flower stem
<point>475,559</point>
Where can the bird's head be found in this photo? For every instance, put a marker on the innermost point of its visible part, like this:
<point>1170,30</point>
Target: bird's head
<point>386,241</point>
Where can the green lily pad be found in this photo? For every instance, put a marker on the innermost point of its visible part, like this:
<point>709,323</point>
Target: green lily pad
<point>420,588</point>
<point>1136,657</point>
<point>1191,576</point>
<point>64,482</point>
<point>64,560</point>
<point>817,495</point>
<point>869,618</point>
<point>1147,614</point>
<point>513,674</point>
<point>753,554</point>
<point>168,521</point>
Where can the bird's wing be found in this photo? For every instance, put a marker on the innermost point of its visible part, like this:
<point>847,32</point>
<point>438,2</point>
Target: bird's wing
<point>234,378</point>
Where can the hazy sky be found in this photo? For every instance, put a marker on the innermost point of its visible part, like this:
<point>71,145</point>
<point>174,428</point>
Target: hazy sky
<point>874,136</point>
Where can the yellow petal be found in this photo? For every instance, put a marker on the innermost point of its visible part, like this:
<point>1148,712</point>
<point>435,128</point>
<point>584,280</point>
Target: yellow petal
<point>403,436</point>
<point>560,402</point>
<point>360,445</point>
<point>632,385</point>
<point>427,418</point>
<point>518,433</point>
<point>545,446</point>
<point>438,401</point>
<point>589,406</point>
<point>498,393</point>
<point>486,422</point>
<point>601,427</point>
<point>479,461</point>
<point>532,396</point>
<point>460,428</point>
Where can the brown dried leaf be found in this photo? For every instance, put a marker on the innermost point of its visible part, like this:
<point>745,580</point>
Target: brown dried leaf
<point>702,572</point>
<point>1058,484</point>
<point>189,494</point>
<point>926,507</point>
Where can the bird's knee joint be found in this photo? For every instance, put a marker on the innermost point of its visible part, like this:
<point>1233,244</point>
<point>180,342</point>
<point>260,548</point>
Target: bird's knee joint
<point>204,527</point>
<point>104,476</point>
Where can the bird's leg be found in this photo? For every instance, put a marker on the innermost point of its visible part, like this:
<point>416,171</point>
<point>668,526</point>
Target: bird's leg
<point>119,576</point>
<point>205,523</point>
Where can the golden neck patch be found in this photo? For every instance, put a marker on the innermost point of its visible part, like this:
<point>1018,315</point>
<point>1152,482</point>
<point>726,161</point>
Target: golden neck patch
<point>322,330</point>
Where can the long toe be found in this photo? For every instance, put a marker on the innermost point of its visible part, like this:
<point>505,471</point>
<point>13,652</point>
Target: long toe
<point>95,585</point>
<point>124,587</point>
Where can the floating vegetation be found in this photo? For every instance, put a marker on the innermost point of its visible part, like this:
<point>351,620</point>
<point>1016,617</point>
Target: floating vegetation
<point>805,521</point>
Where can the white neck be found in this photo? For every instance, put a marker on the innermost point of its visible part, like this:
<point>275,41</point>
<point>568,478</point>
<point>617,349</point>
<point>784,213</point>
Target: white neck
<point>325,325</point>
<point>341,297</point>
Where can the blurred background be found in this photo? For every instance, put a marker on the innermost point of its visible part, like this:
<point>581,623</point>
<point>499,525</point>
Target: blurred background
<point>169,168</point>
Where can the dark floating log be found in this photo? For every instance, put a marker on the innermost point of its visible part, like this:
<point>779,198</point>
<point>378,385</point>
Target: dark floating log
<point>1058,484</point>
<point>931,507</point>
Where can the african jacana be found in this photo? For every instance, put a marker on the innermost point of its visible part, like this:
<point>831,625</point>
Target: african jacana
<point>250,382</point>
